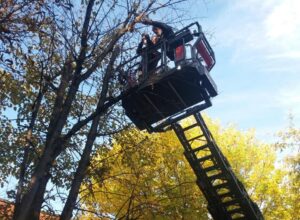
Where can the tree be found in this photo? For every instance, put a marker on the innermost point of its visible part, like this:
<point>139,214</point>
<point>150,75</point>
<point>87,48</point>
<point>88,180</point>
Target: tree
<point>289,142</point>
<point>60,87</point>
<point>18,20</point>
<point>146,176</point>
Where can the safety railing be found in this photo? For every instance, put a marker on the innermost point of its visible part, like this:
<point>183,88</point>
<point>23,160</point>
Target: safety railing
<point>186,45</point>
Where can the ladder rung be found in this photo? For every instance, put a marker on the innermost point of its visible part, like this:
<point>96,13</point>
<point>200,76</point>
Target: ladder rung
<point>200,148</point>
<point>231,202</point>
<point>220,186</point>
<point>189,127</point>
<point>202,159</point>
<point>240,218</point>
<point>233,211</point>
<point>211,168</point>
<point>226,194</point>
<point>194,138</point>
<point>217,176</point>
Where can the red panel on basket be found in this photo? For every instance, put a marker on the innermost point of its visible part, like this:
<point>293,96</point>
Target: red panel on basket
<point>179,53</point>
<point>203,51</point>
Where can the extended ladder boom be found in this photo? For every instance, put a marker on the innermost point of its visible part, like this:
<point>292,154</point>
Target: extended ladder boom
<point>226,196</point>
<point>170,93</point>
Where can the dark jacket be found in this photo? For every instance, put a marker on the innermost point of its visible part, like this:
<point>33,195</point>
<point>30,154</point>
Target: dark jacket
<point>167,34</point>
<point>167,31</point>
<point>153,55</point>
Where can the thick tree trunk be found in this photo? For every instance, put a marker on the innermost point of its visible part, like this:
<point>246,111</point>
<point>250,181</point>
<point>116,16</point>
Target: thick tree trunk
<point>44,165</point>
<point>23,166</point>
<point>52,148</point>
<point>37,187</point>
<point>61,110</point>
<point>59,117</point>
<point>35,209</point>
<point>85,158</point>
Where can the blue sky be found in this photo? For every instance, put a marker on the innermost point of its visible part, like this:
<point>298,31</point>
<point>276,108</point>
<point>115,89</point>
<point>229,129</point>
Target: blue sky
<point>257,47</point>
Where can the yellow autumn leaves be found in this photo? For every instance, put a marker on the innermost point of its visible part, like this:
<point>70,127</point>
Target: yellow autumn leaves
<point>145,176</point>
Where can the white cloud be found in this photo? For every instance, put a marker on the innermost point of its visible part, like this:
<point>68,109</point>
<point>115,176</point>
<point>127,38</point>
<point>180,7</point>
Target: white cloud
<point>283,23</point>
<point>259,29</point>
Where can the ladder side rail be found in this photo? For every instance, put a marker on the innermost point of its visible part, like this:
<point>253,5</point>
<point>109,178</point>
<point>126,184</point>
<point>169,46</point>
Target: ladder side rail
<point>210,139</point>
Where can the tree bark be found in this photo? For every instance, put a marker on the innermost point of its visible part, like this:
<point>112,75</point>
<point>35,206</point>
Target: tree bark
<point>59,117</point>
<point>55,142</point>
<point>35,209</point>
<point>80,172</point>
<point>85,158</point>
<point>23,166</point>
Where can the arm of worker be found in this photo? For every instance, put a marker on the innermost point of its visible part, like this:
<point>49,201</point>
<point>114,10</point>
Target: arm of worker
<point>139,48</point>
<point>166,28</point>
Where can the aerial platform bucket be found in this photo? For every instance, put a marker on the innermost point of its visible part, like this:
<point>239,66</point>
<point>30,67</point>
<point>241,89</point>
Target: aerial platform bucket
<point>172,92</point>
